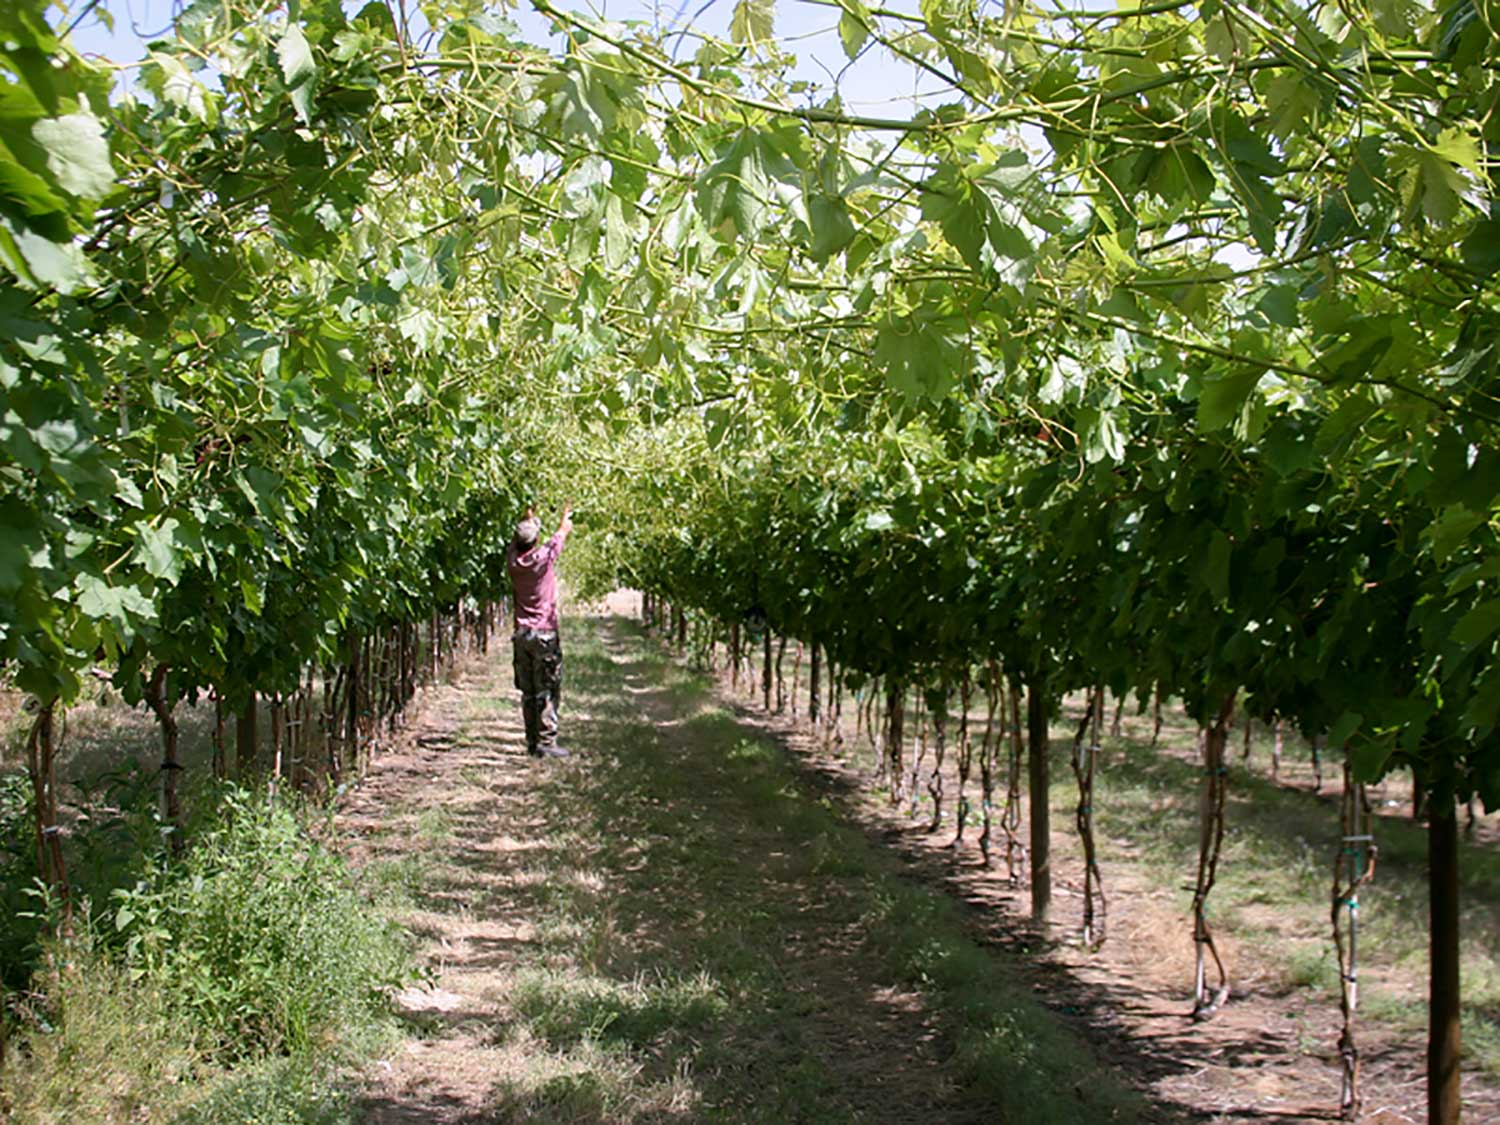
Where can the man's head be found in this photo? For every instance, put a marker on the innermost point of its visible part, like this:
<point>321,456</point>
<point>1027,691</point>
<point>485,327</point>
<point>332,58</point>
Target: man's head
<point>527,531</point>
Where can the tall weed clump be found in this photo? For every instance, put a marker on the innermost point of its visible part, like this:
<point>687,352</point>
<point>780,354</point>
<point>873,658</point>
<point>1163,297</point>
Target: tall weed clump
<point>221,987</point>
<point>260,937</point>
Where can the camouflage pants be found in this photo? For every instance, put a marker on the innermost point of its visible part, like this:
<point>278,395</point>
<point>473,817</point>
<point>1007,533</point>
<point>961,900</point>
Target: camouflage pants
<point>538,659</point>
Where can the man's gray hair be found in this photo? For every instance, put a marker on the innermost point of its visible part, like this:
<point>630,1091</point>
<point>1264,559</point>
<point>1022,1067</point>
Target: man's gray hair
<point>527,530</point>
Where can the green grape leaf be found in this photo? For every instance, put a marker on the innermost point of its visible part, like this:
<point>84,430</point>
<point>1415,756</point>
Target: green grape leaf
<point>754,21</point>
<point>1437,180</point>
<point>736,189</point>
<point>1220,400</point>
<point>618,242</point>
<point>254,596</point>
<point>294,53</point>
<point>1481,247</point>
<point>1216,565</point>
<point>77,154</point>
<point>1177,173</point>
<point>302,99</point>
<point>1368,757</point>
<point>1262,207</point>
<point>854,31</point>
<point>1102,439</point>
<point>422,328</point>
<point>1451,530</point>
<point>832,228</point>
<point>919,359</point>
<point>1478,625</point>
<point>157,550</point>
<point>122,605</point>
<point>127,492</point>
<point>1344,727</point>
<point>39,261</point>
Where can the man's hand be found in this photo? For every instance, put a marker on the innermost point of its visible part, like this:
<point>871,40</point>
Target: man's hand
<point>567,519</point>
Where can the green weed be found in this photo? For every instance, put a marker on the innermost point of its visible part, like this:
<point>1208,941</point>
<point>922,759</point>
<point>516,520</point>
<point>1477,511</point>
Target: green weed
<point>261,938</point>
<point>273,1091</point>
<point>1311,966</point>
<point>18,872</point>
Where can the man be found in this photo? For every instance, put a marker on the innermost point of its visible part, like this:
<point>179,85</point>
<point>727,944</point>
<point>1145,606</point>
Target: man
<point>538,651</point>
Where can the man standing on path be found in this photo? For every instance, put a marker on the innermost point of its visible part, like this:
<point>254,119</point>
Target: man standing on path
<point>538,650</point>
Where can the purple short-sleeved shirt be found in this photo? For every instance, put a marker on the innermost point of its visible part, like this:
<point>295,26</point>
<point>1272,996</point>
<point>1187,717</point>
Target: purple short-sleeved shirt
<point>533,579</point>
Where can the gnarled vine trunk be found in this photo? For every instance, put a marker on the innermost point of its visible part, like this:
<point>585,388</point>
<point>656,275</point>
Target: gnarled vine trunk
<point>814,665</point>
<point>41,763</point>
<point>1085,754</point>
<point>1039,777</point>
<point>220,763</point>
<point>1016,856</point>
<point>171,804</point>
<point>895,711</point>
<point>988,746</point>
<point>247,736</point>
<point>939,756</point>
<point>965,757</point>
<point>1353,867</point>
<point>1210,841</point>
<point>765,676</point>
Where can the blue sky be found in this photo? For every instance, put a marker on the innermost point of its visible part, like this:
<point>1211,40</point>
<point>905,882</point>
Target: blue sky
<point>875,83</point>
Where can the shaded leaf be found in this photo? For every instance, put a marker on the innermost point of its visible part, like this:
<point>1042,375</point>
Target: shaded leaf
<point>1220,400</point>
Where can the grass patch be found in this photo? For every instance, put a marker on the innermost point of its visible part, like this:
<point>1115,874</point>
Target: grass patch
<point>566,1008</point>
<point>434,825</point>
<point>591,1083</point>
<point>115,1051</point>
<point>273,1091</point>
<point>96,1047</point>
<point>395,881</point>
<point>1007,1045</point>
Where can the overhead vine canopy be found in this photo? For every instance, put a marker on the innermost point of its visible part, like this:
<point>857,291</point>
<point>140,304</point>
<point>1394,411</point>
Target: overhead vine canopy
<point>1155,345</point>
<point>1180,290</point>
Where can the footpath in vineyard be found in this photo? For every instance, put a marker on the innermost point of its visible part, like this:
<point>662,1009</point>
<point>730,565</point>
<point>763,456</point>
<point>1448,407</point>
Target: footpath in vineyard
<point>675,925</point>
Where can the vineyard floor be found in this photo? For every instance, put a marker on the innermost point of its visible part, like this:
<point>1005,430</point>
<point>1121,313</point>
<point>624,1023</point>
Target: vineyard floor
<point>709,915</point>
<point>1271,1052</point>
<point>677,924</point>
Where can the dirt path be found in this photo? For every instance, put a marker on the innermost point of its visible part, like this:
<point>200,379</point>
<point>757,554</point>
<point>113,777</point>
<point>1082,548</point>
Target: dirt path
<point>663,928</point>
